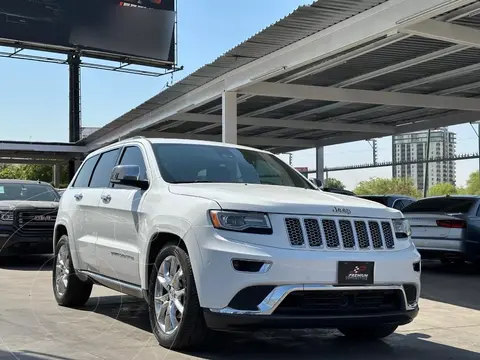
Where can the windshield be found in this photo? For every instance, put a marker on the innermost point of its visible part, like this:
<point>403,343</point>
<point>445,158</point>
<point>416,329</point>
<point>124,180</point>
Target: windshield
<point>445,205</point>
<point>191,163</point>
<point>27,192</point>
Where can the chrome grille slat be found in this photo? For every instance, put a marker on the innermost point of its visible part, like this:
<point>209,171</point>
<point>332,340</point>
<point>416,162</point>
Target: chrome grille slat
<point>334,233</point>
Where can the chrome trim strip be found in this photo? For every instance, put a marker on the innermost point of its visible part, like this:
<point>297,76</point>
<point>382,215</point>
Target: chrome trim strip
<point>279,293</point>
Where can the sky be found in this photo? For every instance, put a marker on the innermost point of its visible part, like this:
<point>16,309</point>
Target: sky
<point>34,96</point>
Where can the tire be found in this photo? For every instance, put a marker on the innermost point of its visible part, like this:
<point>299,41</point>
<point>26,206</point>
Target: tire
<point>191,330</point>
<point>369,333</point>
<point>75,292</point>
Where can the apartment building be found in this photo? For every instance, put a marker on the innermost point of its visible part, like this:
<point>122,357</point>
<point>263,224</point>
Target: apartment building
<point>413,146</point>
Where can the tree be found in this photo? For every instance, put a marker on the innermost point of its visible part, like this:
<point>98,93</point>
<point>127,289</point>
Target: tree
<point>442,189</point>
<point>33,172</point>
<point>473,184</point>
<point>334,183</point>
<point>387,186</point>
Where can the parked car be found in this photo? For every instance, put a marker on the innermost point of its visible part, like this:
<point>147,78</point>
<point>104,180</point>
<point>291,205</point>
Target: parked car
<point>339,191</point>
<point>392,201</point>
<point>223,237</point>
<point>28,211</point>
<point>446,227</point>
<point>60,192</point>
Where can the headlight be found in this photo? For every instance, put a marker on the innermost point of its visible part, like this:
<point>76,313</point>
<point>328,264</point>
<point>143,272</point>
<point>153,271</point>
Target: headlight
<point>6,216</point>
<point>402,228</point>
<point>248,222</point>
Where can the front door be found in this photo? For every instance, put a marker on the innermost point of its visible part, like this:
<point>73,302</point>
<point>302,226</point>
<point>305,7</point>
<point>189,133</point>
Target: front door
<point>118,243</point>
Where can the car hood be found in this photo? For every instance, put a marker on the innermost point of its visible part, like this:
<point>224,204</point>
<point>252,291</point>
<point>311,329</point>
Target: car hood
<point>27,205</point>
<point>284,200</point>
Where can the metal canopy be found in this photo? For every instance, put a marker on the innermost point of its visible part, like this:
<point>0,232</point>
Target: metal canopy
<point>329,73</point>
<point>18,152</point>
<point>332,72</point>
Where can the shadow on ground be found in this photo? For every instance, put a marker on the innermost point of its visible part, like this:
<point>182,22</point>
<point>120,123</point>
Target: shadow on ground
<point>27,263</point>
<point>456,285</point>
<point>28,355</point>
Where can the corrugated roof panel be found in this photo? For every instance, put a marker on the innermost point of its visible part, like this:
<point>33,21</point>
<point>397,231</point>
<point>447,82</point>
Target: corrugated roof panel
<point>398,52</point>
<point>454,61</point>
<point>470,21</point>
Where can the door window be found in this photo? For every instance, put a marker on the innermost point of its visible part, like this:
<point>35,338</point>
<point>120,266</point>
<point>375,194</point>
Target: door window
<point>103,170</point>
<point>85,173</point>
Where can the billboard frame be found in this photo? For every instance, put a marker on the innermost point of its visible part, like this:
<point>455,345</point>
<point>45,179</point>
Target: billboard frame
<point>73,58</point>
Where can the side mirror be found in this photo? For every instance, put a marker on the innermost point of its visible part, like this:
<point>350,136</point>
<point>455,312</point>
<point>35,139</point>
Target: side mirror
<point>317,182</point>
<point>128,175</point>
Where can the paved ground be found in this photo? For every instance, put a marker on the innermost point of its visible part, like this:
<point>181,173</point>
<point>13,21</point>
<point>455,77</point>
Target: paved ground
<point>116,327</point>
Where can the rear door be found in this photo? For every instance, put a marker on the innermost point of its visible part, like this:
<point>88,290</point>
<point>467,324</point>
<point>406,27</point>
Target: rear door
<point>118,248</point>
<point>80,203</point>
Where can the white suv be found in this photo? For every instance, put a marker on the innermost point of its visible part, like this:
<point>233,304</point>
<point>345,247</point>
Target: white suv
<point>222,237</point>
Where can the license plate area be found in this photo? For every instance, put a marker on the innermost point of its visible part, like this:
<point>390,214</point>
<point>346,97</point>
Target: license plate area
<point>355,272</point>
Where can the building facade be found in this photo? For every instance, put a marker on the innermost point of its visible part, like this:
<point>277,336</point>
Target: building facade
<point>413,146</point>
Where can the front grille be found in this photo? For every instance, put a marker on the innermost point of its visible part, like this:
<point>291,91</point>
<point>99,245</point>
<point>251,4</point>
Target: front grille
<point>339,302</point>
<point>338,233</point>
<point>38,222</point>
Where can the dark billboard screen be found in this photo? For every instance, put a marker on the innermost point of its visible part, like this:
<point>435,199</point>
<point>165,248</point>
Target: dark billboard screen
<point>135,31</point>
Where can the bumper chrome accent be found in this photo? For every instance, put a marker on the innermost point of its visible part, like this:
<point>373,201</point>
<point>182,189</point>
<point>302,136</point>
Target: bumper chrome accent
<point>279,293</point>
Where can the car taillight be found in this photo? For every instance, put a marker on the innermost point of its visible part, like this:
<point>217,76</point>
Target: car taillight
<point>453,224</point>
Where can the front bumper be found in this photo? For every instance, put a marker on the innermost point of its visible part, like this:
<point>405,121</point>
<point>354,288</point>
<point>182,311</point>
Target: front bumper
<point>288,270</point>
<point>239,322</point>
<point>13,243</point>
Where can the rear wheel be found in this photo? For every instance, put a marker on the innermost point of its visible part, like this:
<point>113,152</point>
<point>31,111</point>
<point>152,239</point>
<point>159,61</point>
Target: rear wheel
<point>175,314</point>
<point>369,333</point>
<point>68,289</point>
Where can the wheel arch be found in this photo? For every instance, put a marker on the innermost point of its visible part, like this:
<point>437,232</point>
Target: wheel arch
<point>158,241</point>
<point>62,228</point>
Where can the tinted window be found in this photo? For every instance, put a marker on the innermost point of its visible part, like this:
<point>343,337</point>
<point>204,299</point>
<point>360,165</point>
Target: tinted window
<point>132,155</point>
<point>399,204</point>
<point>448,205</point>
<point>103,170</point>
<point>83,176</point>
<point>189,163</point>
<point>27,192</point>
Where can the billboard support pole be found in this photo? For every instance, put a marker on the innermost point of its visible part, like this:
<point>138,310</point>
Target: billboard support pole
<point>74,105</point>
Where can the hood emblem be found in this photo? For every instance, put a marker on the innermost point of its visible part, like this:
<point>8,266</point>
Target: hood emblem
<point>341,210</point>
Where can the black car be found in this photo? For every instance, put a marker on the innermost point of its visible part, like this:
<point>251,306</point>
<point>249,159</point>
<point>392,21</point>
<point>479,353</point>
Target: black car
<point>392,201</point>
<point>28,211</point>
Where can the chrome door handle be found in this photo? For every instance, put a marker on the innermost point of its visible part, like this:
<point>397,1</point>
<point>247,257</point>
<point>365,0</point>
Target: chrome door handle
<point>78,197</point>
<point>106,198</point>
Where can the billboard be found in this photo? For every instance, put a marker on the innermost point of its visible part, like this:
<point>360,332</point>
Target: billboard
<point>303,171</point>
<point>132,31</point>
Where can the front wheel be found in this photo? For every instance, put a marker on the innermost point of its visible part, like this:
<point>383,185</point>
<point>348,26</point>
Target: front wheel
<point>368,333</point>
<point>68,289</point>
<point>175,314</point>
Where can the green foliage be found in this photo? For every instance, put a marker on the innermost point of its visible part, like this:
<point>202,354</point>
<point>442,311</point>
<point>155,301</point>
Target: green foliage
<point>473,184</point>
<point>334,183</point>
<point>32,172</point>
<point>380,186</point>
<point>442,189</point>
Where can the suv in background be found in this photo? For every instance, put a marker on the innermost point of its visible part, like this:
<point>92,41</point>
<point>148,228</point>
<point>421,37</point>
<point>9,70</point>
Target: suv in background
<point>28,211</point>
<point>398,202</point>
<point>222,237</point>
